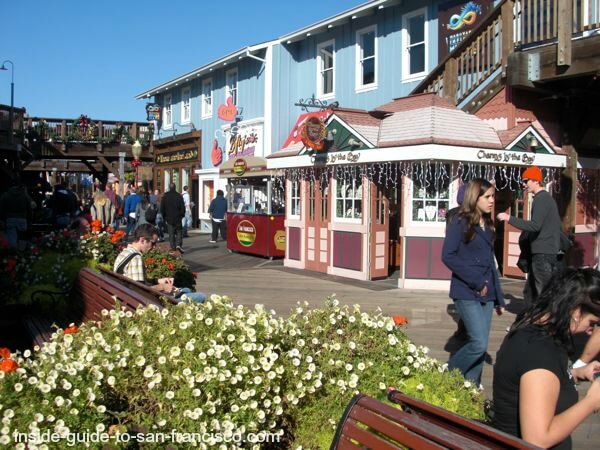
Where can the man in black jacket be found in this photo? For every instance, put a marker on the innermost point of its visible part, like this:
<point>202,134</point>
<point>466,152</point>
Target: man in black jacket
<point>172,210</point>
<point>544,231</point>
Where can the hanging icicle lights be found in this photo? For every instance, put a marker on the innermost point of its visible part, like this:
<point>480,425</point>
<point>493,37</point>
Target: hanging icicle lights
<point>431,174</point>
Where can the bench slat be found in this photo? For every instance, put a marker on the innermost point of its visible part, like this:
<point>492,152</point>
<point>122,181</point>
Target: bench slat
<point>471,429</point>
<point>368,438</point>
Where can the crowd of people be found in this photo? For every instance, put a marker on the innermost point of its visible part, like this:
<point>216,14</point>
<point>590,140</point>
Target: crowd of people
<point>534,392</point>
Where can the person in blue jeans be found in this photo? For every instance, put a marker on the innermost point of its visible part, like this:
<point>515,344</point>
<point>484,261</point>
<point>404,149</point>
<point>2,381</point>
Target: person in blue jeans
<point>475,286</point>
<point>217,211</point>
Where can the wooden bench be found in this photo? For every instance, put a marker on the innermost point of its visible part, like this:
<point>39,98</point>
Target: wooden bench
<point>368,423</point>
<point>96,291</point>
<point>141,288</point>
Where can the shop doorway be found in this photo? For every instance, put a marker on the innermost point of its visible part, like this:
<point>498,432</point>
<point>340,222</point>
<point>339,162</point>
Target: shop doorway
<point>318,194</point>
<point>506,246</point>
<point>379,232</point>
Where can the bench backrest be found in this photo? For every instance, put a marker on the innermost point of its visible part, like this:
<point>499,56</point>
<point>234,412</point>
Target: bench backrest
<point>368,423</point>
<point>98,292</point>
<point>471,429</point>
<point>141,288</point>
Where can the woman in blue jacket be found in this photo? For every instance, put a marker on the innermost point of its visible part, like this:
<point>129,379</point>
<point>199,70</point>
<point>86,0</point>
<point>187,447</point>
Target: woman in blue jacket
<point>475,287</point>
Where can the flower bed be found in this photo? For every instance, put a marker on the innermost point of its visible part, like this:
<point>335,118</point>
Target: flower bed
<point>221,371</point>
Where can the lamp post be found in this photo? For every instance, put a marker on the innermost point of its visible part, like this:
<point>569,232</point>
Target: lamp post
<point>136,151</point>
<point>12,95</point>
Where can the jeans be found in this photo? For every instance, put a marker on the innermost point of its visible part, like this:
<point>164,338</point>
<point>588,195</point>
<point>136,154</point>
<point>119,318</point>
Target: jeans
<point>197,297</point>
<point>130,225</point>
<point>218,227</point>
<point>542,268</point>
<point>13,226</point>
<point>175,235</point>
<point>186,222</point>
<point>477,317</point>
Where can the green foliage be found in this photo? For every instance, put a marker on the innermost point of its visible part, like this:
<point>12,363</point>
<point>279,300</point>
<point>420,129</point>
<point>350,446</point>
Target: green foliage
<point>220,368</point>
<point>161,263</point>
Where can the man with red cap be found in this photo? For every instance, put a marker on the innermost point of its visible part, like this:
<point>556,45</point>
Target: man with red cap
<point>544,230</point>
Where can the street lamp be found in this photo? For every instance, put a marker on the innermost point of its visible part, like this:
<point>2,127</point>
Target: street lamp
<point>12,94</point>
<point>136,151</point>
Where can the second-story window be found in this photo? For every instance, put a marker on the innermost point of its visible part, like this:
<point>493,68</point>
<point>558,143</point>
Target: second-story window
<point>168,111</point>
<point>414,43</point>
<point>207,88</point>
<point>326,69</point>
<point>185,104</point>
<point>231,85</point>
<point>366,58</point>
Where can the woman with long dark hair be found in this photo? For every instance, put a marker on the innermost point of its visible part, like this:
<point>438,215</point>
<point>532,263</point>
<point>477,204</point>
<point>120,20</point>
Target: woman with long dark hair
<point>475,287</point>
<point>534,386</point>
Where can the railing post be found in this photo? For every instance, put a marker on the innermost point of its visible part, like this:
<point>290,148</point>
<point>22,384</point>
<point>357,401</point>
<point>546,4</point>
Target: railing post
<point>565,32</point>
<point>508,27</point>
<point>63,130</point>
<point>451,80</point>
<point>133,131</point>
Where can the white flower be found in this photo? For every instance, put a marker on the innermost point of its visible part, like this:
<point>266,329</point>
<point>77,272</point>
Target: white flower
<point>420,387</point>
<point>59,401</point>
<point>101,409</point>
<point>170,395</point>
<point>148,372</point>
<point>111,380</point>
<point>18,387</point>
<point>468,384</point>
<point>360,366</point>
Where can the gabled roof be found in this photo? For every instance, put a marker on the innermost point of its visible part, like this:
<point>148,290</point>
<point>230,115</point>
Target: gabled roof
<point>430,119</point>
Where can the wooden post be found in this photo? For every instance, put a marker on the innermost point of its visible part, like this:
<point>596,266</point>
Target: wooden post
<point>507,38</point>
<point>451,80</point>
<point>565,32</point>
<point>570,183</point>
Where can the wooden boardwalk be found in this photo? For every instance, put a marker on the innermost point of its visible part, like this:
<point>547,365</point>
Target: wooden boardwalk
<point>249,280</point>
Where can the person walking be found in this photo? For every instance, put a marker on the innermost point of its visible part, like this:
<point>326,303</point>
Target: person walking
<point>102,209</point>
<point>468,252</point>
<point>131,203</point>
<point>543,230</point>
<point>534,391</point>
<point>15,212</point>
<point>130,263</point>
<point>172,210</point>
<point>141,209</point>
<point>186,222</point>
<point>217,210</point>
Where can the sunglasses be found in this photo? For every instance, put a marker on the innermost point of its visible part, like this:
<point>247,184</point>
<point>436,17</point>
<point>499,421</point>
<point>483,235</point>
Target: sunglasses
<point>525,181</point>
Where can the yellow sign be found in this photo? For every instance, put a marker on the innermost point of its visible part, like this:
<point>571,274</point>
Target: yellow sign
<point>279,240</point>
<point>246,233</point>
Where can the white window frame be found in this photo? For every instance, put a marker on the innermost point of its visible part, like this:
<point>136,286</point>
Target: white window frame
<point>295,200</point>
<point>438,221</point>
<point>360,87</point>
<point>168,111</point>
<point>406,44</point>
<point>207,98</point>
<point>358,195</point>
<point>229,90</point>
<point>320,47</point>
<point>186,104</point>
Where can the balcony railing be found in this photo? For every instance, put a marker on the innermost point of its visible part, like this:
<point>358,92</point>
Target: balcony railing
<point>511,24</point>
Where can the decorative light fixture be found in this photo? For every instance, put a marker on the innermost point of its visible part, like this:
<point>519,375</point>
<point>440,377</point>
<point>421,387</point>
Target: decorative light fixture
<point>136,151</point>
<point>12,94</point>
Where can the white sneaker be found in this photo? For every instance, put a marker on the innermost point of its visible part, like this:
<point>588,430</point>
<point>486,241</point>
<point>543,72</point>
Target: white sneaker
<point>212,242</point>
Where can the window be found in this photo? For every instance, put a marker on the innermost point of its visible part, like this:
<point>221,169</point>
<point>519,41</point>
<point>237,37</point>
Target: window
<point>207,88</point>
<point>168,111</point>
<point>231,87</point>
<point>348,199</point>
<point>295,198</point>
<point>185,105</point>
<point>414,42</point>
<point>430,197</point>
<point>366,58</point>
<point>326,69</point>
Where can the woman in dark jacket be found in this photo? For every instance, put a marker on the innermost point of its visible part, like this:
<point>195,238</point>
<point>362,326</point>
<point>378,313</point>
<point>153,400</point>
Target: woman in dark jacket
<point>475,287</point>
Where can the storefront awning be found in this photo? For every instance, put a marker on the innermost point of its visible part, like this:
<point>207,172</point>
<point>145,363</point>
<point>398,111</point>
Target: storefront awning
<point>247,166</point>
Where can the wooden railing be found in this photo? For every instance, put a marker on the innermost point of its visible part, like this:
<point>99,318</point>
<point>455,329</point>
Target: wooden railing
<point>511,24</point>
<point>89,131</point>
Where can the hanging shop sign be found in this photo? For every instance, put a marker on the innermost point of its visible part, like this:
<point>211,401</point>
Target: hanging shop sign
<point>456,20</point>
<point>177,156</point>
<point>216,153</point>
<point>505,157</point>
<point>295,135</point>
<point>313,133</point>
<point>239,167</point>
<point>248,141</point>
<point>152,111</point>
<point>246,233</point>
<point>227,112</point>
<point>335,158</point>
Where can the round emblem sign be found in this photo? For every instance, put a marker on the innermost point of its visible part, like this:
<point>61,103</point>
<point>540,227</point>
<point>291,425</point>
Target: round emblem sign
<point>246,233</point>
<point>239,167</point>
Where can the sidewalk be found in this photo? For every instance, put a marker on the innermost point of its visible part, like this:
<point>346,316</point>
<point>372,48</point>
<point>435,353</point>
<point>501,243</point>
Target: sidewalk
<point>250,279</point>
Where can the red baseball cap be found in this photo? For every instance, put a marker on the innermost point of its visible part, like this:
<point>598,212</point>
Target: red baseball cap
<point>533,173</point>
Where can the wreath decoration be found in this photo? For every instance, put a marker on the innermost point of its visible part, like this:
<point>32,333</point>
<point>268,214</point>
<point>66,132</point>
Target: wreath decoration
<point>313,133</point>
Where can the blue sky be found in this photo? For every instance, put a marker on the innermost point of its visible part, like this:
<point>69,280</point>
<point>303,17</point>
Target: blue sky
<point>92,58</point>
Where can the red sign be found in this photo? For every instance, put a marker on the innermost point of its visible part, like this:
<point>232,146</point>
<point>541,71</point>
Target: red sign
<point>227,112</point>
<point>295,135</point>
<point>216,154</point>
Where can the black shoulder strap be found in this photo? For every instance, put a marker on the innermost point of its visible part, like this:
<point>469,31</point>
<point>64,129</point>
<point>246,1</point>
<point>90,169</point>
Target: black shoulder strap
<point>121,267</point>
